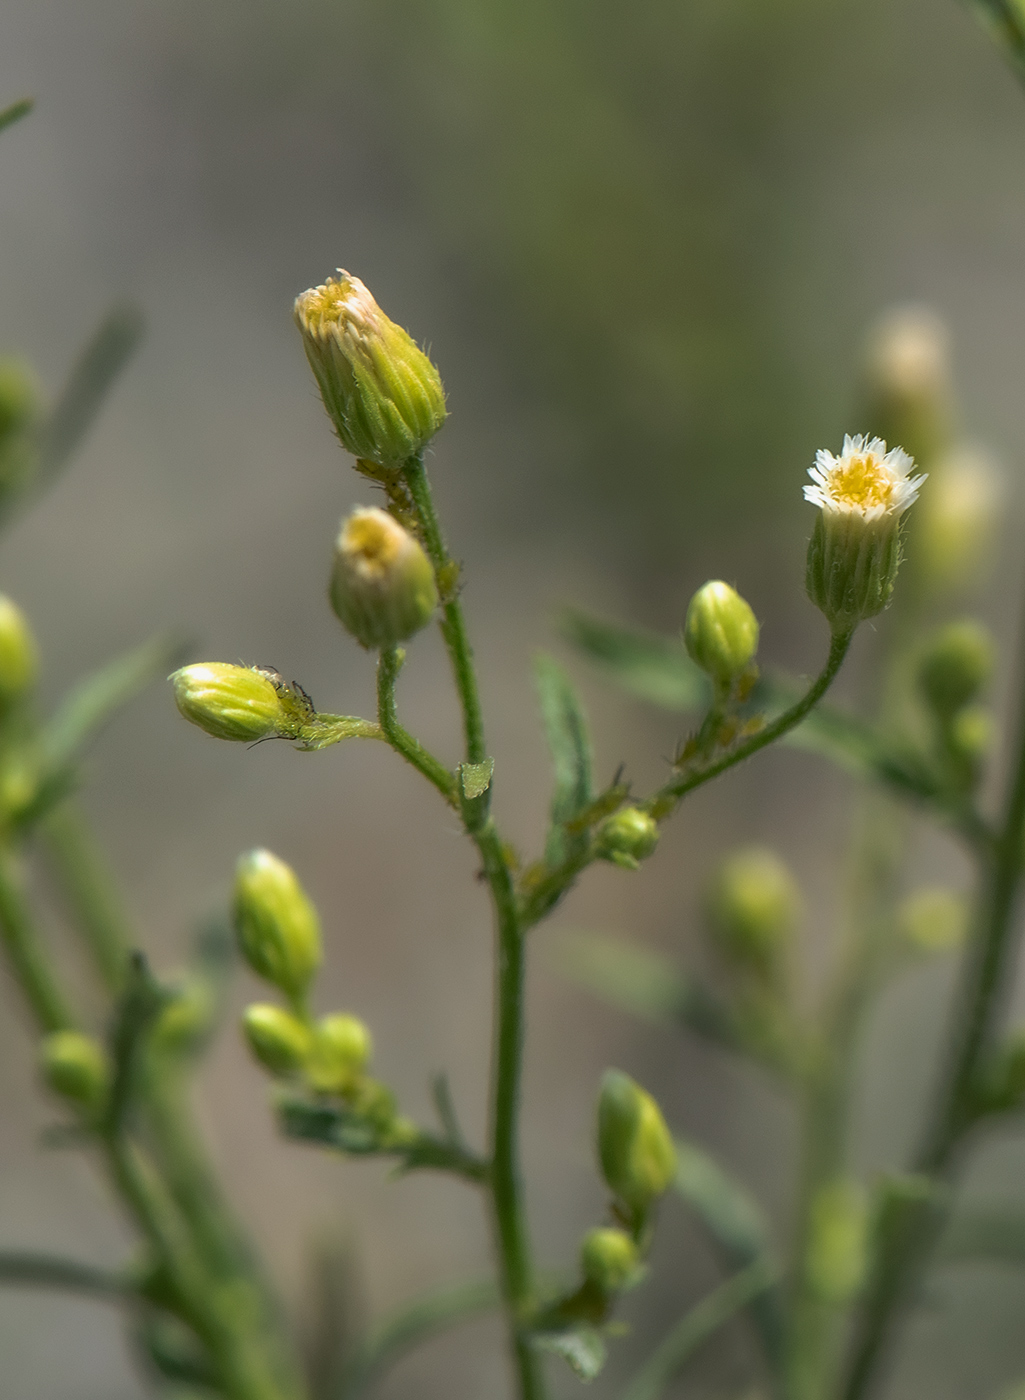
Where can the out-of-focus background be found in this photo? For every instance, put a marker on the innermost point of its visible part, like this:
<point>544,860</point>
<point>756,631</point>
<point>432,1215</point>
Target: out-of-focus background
<point>644,243</point>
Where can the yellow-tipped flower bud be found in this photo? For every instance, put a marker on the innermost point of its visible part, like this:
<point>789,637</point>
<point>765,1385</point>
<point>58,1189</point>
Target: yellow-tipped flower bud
<point>279,1040</point>
<point>854,551</point>
<point>278,927</point>
<point>382,585</point>
<point>638,1159</point>
<point>721,632</point>
<point>341,1052</point>
<point>240,703</point>
<point>609,1259</point>
<point>957,521</point>
<point>19,659</point>
<point>628,837</point>
<point>753,905</point>
<point>75,1066</point>
<point>380,390</point>
<point>956,665</point>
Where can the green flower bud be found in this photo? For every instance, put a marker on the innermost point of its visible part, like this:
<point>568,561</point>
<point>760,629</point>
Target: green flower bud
<point>380,390</point>
<point>19,399</point>
<point>721,632</point>
<point>957,521</point>
<point>341,1052</point>
<point>277,926</point>
<point>837,1258</point>
<point>854,550</point>
<point>19,660</point>
<point>240,703</point>
<point>971,738</point>
<point>75,1066</point>
<point>638,1159</point>
<point>382,585</point>
<point>955,666</point>
<point>628,837</point>
<point>932,921</point>
<point>609,1259</point>
<point>753,906</point>
<point>279,1040</point>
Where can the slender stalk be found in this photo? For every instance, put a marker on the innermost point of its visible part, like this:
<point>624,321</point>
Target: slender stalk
<point>388,666</point>
<point>453,624</point>
<point>89,890</point>
<point>24,948</point>
<point>23,1269</point>
<point>980,999</point>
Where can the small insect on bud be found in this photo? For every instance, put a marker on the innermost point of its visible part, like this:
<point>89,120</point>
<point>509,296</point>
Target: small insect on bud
<point>19,660</point>
<point>277,926</point>
<point>753,905</point>
<point>720,633</point>
<point>956,665</point>
<point>75,1066</point>
<point>854,550</point>
<point>279,1040</point>
<point>382,586</point>
<point>628,837</point>
<point>638,1159</point>
<point>609,1259</point>
<point>341,1052</point>
<point>380,390</point>
<point>230,702</point>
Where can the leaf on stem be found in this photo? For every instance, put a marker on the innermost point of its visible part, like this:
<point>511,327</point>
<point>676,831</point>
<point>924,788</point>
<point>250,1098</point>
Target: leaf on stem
<point>15,112</point>
<point>570,744</point>
<point>583,1347</point>
<point>650,667</point>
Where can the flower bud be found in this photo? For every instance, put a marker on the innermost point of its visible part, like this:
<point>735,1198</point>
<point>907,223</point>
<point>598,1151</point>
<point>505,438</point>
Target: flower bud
<point>628,837</point>
<point>932,921</point>
<point>187,1017</point>
<point>638,1159</point>
<point>19,660</point>
<point>721,632</point>
<point>278,927</point>
<point>382,585</point>
<point>753,905</point>
<point>854,550</point>
<point>75,1066</point>
<point>609,1259</point>
<point>909,381</point>
<point>341,1052</point>
<point>956,665</point>
<point>230,702</point>
<point>971,738</point>
<point>837,1257</point>
<point>957,521</point>
<point>380,390</point>
<point>279,1040</point>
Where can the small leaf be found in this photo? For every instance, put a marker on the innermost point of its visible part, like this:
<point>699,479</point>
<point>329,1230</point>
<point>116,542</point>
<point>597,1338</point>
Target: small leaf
<point>644,664</point>
<point>15,112</point>
<point>584,1348</point>
<point>570,745</point>
<point>476,777</point>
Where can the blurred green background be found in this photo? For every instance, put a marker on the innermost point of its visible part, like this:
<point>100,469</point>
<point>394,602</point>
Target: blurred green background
<point>644,244</point>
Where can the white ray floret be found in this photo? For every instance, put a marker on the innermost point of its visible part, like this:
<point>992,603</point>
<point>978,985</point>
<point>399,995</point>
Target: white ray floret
<point>864,480</point>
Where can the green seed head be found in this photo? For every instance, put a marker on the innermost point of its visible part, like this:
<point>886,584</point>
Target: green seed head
<point>638,1159</point>
<point>278,927</point>
<point>382,585</point>
<point>380,390</point>
<point>721,632</point>
<point>279,1040</point>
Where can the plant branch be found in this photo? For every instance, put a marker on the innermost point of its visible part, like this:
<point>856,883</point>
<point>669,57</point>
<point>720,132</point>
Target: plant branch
<point>388,666</point>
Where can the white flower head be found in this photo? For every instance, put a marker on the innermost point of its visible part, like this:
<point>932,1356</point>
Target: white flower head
<point>865,480</point>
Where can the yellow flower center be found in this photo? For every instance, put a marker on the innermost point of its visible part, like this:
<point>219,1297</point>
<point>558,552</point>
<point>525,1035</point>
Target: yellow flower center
<point>861,480</point>
<point>339,302</point>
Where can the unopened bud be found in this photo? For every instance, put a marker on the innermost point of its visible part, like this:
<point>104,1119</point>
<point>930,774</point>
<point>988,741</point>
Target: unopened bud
<point>230,702</point>
<point>278,927</point>
<point>909,381</point>
<point>628,837</point>
<point>956,665</point>
<point>721,632</point>
<point>380,390</point>
<point>279,1040</point>
<point>837,1257</point>
<point>382,586</point>
<point>75,1066</point>
<point>638,1159</point>
<point>753,906</point>
<point>854,551</point>
<point>932,921</point>
<point>19,660</point>
<point>341,1052</point>
<point>609,1259</point>
<point>957,522</point>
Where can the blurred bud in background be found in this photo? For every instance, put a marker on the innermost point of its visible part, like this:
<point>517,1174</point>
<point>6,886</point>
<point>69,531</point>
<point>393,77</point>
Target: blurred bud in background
<point>280,1041</point>
<point>908,384</point>
<point>638,1158</point>
<point>19,658</point>
<point>753,905</point>
<point>75,1067</point>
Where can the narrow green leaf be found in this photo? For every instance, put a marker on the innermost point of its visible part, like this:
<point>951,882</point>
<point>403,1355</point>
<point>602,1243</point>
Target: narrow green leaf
<point>570,745</point>
<point>583,1347</point>
<point>347,1131</point>
<point>646,665</point>
<point>1005,20</point>
<point>411,1325</point>
<point>93,700</point>
<point>15,112</point>
<point>23,1269</point>
<point>984,1233</point>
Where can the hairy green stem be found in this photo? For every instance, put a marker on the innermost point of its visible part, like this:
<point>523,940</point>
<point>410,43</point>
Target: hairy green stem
<point>388,666</point>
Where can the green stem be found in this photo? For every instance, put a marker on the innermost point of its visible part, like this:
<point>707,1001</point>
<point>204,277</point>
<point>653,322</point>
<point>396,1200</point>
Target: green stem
<point>389,664</point>
<point>89,890</point>
<point>981,996</point>
<point>25,951</point>
<point>453,624</point>
<point>664,801</point>
<point>22,1269</point>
